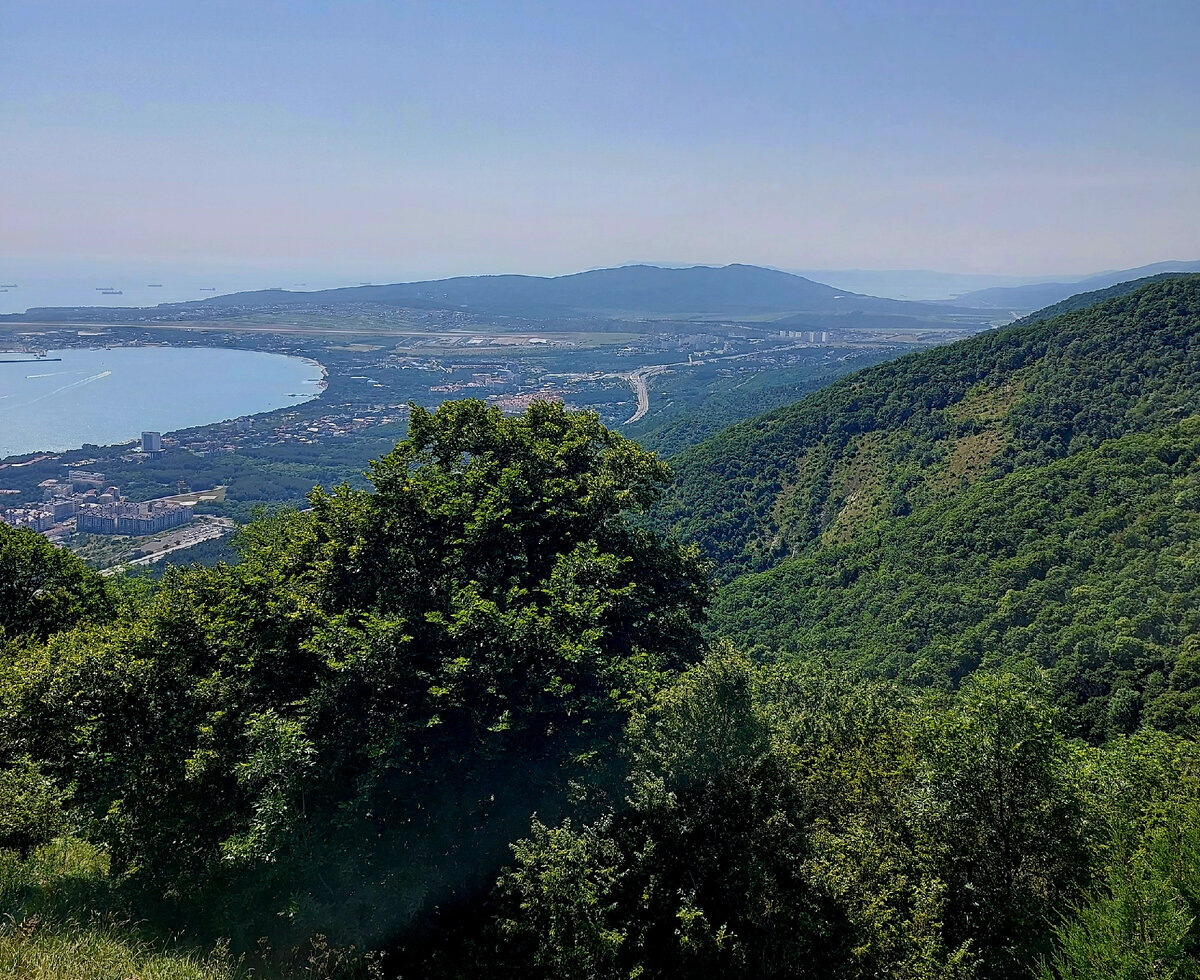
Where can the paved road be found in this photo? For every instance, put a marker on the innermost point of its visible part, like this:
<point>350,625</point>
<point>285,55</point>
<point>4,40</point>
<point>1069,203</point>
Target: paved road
<point>637,380</point>
<point>204,528</point>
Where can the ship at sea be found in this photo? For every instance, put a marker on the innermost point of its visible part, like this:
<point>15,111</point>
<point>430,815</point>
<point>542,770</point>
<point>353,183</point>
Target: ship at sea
<point>111,292</point>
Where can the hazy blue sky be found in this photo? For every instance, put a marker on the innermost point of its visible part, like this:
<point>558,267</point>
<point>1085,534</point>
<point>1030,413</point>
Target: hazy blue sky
<point>418,139</point>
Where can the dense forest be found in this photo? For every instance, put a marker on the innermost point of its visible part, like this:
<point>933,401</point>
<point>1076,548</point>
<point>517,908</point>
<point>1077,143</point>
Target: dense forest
<point>900,681</point>
<point>901,435</point>
<point>1088,567</point>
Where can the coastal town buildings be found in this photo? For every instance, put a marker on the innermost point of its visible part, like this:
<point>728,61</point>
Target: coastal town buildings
<point>95,509</point>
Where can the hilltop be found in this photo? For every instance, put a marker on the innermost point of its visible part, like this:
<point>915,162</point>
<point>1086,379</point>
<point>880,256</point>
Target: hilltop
<point>1080,301</point>
<point>741,290</point>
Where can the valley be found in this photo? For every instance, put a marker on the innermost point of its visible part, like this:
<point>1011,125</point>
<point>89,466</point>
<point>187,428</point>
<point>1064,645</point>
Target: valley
<point>667,378</point>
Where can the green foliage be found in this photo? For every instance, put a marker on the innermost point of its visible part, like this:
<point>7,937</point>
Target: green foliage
<point>788,822</point>
<point>561,892</point>
<point>700,875</point>
<point>893,438</point>
<point>1136,930</point>
<point>1081,301</point>
<point>1086,567</point>
<point>33,951</point>
<point>1006,826</point>
<point>1140,919</point>
<point>44,589</point>
<point>32,810</point>
<point>700,401</point>
<point>54,882</point>
<point>63,918</point>
<point>63,914</point>
<point>348,727</point>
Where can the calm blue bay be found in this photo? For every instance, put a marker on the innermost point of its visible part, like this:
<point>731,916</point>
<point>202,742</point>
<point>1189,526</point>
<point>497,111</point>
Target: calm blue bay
<point>111,396</point>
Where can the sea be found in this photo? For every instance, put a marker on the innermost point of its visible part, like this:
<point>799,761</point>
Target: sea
<point>110,396</point>
<point>26,284</point>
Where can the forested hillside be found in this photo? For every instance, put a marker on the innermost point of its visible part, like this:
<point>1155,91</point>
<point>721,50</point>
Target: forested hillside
<point>900,436</point>
<point>1088,567</point>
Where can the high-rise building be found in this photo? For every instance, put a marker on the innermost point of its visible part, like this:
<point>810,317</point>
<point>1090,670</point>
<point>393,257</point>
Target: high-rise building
<point>152,442</point>
<point>63,508</point>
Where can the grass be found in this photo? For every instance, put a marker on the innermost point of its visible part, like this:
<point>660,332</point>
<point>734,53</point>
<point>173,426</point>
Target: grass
<point>31,950</point>
<point>62,921</point>
<point>63,917</point>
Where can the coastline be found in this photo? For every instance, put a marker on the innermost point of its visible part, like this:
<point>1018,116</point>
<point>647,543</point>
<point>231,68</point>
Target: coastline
<point>62,401</point>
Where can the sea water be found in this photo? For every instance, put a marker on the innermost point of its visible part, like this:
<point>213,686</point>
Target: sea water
<point>110,396</point>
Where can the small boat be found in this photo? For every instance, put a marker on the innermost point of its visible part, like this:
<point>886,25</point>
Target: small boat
<point>154,285</point>
<point>111,292</point>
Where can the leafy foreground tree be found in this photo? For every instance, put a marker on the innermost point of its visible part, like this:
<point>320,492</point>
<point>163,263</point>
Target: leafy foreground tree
<point>44,589</point>
<point>344,731</point>
<point>1140,919</point>
<point>785,824</point>
<point>785,821</point>
<point>700,876</point>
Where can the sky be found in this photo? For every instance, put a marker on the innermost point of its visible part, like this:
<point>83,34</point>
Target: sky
<point>383,141</point>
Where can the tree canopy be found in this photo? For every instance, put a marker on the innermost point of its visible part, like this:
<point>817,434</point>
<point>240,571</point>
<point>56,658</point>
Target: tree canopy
<point>377,697</point>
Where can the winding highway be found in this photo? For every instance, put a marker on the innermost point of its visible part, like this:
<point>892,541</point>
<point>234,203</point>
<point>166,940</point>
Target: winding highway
<point>637,380</point>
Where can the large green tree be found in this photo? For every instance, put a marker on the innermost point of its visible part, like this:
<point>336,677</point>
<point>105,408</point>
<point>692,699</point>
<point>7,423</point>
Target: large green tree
<point>44,589</point>
<point>363,712</point>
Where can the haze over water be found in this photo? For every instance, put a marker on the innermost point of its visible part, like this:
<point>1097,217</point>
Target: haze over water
<point>105,397</point>
<point>26,284</point>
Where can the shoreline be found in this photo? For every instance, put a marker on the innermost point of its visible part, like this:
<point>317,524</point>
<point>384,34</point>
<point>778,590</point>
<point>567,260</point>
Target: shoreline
<point>320,386</point>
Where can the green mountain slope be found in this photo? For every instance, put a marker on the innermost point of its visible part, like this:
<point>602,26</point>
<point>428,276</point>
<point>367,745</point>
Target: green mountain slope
<point>1081,301</point>
<point>897,437</point>
<point>1089,566</point>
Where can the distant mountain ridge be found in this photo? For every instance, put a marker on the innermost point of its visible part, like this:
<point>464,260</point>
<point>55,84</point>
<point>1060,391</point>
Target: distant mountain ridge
<point>1081,301</point>
<point>1035,296</point>
<point>657,291</point>
<point>920,285</point>
<point>700,290</point>
<point>732,290</point>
